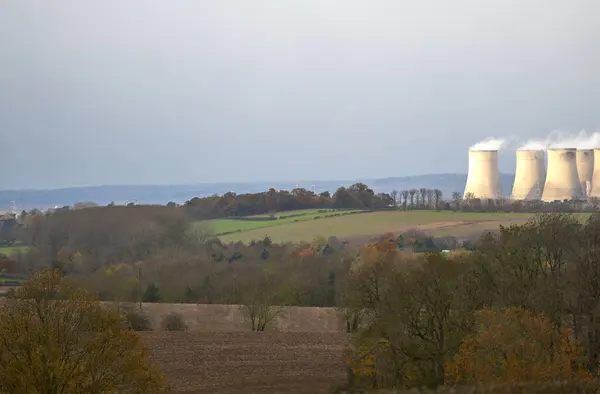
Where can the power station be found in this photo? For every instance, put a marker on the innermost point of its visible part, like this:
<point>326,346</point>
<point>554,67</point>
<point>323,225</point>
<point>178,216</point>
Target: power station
<point>483,179</point>
<point>570,174</point>
<point>530,175</point>
<point>595,189</point>
<point>562,178</point>
<point>585,169</point>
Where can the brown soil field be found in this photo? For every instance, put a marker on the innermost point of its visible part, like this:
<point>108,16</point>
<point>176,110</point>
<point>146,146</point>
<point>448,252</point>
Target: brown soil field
<point>249,362</point>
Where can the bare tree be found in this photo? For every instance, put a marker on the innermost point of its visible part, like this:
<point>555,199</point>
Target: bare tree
<point>412,193</point>
<point>594,203</point>
<point>437,197</point>
<point>404,194</point>
<point>456,197</point>
<point>259,301</point>
<point>423,193</point>
<point>470,197</point>
<point>394,195</point>
<point>430,198</point>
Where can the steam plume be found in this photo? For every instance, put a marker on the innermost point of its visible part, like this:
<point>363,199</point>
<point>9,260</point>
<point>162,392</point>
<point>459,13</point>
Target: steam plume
<point>561,140</point>
<point>489,144</point>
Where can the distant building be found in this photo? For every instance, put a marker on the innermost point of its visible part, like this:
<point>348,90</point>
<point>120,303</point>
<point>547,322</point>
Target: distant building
<point>8,222</point>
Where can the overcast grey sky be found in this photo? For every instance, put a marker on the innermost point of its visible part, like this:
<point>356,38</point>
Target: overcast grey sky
<point>156,91</point>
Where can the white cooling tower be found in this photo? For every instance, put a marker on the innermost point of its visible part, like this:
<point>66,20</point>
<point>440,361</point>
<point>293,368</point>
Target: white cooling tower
<point>595,189</point>
<point>483,179</point>
<point>585,169</point>
<point>530,175</point>
<point>562,179</point>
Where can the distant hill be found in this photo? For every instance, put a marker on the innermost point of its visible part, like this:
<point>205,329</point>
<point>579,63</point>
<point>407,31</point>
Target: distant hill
<point>160,194</point>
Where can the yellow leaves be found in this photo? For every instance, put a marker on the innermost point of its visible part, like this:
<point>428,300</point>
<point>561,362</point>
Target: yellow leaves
<point>365,360</point>
<point>514,345</point>
<point>55,337</point>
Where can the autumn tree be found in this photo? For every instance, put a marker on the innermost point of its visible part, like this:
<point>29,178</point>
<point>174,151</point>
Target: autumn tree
<point>515,345</point>
<point>584,281</point>
<point>413,314</point>
<point>56,338</point>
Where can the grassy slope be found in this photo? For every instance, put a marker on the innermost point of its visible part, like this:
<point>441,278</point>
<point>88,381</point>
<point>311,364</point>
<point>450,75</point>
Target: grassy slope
<point>380,222</point>
<point>226,225</point>
<point>8,250</point>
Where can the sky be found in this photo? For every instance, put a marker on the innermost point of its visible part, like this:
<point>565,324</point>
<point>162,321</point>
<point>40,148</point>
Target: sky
<point>187,91</point>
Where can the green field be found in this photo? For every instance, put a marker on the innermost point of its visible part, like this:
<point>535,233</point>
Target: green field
<point>375,223</point>
<point>8,250</point>
<point>220,226</point>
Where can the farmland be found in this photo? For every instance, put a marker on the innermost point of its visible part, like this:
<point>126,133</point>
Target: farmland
<point>220,226</point>
<point>243,362</point>
<point>8,250</point>
<point>368,224</point>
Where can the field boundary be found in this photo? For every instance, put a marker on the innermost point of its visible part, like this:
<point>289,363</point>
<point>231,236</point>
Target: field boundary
<point>376,223</point>
<point>280,220</point>
<point>225,318</point>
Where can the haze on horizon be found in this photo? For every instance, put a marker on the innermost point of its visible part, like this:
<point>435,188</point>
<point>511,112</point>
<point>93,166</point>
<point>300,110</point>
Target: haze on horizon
<point>157,92</point>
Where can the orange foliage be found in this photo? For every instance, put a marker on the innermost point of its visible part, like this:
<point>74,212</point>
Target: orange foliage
<point>515,345</point>
<point>305,250</point>
<point>310,251</point>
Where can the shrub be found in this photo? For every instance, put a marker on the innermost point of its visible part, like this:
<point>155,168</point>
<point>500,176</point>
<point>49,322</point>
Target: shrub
<point>554,387</point>
<point>173,322</point>
<point>137,319</point>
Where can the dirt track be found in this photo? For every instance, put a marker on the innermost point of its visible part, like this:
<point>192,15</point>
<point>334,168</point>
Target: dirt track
<point>249,362</point>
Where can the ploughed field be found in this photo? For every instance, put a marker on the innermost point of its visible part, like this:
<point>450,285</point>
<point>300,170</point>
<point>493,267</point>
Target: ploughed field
<point>249,362</point>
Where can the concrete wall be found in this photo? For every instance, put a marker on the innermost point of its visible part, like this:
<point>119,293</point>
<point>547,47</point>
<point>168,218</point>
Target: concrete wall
<point>202,317</point>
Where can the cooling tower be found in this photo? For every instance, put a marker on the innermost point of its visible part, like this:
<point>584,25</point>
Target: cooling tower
<point>595,189</point>
<point>483,179</point>
<point>562,179</point>
<point>530,175</point>
<point>585,169</point>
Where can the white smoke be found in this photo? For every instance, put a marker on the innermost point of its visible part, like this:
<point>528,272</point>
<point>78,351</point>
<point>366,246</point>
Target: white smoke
<point>489,144</point>
<point>562,140</point>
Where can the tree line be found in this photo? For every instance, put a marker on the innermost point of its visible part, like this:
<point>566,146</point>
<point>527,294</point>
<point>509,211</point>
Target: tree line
<point>356,196</point>
<point>523,307</point>
<point>415,319</point>
<point>360,196</point>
